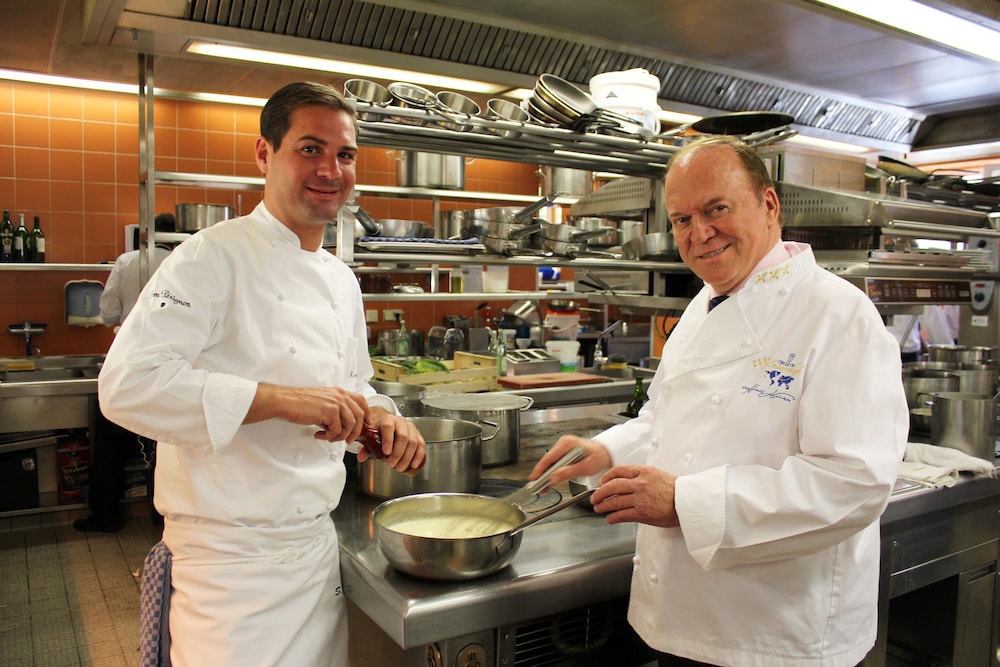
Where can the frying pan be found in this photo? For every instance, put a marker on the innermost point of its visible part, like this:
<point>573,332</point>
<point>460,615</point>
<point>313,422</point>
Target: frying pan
<point>901,169</point>
<point>741,123</point>
<point>390,228</point>
<point>564,96</point>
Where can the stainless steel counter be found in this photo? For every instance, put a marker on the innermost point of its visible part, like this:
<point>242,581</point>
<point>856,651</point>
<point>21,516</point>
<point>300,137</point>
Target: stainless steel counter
<point>570,560</point>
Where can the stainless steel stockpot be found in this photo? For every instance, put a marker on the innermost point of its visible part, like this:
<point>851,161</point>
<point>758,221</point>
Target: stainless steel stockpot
<point>406,396</point>
<point>966,422</point>
<point>500,409</point>
<point>972,378</point>
<point>963,354</point>
<point>454,461</point>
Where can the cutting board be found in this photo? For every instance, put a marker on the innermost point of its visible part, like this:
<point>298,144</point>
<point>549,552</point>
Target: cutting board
<point>538,380</point>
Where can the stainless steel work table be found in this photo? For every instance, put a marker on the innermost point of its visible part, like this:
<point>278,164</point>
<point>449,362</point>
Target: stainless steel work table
<point>571,560</point>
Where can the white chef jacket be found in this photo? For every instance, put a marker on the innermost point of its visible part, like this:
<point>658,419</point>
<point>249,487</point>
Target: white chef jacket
<point>122,288</point>
<point>237,304</point>
<point>783,415</point>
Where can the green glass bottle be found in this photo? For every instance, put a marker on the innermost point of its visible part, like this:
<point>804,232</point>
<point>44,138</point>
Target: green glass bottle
<point>36,242</point>
<point>19,252</point>
<point>6,238</point>
<point>639,398</point>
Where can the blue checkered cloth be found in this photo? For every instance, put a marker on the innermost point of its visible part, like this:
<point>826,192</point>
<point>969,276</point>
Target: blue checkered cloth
<point>154,608</point>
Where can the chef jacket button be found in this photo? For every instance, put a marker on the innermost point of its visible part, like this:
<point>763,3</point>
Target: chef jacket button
<point>291,348</point>
<point>654,578</point>
<point>281,297</point>
<point>745,343</point>
<point>298,458</point>
<point>654,443</point>
<point>331,506</point>
<point>300,509</point>
<point>783,291</point>
<point>716,400</point>
<point>635,561</point>
<point>688,457</point>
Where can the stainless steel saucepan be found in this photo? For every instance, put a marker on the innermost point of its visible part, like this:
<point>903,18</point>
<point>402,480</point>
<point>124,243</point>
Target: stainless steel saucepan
<point>511,214</point>
<point>456,536</point>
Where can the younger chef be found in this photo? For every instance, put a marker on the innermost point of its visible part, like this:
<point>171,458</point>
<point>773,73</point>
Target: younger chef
<point>774,429</point>
<point>246,359</point>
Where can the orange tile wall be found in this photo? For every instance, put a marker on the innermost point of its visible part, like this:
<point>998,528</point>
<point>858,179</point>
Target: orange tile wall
<point>72,157</point>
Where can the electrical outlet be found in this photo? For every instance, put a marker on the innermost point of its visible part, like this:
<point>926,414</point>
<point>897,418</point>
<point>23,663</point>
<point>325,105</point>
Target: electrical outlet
<point>391,314</point>
<point>371,315</point>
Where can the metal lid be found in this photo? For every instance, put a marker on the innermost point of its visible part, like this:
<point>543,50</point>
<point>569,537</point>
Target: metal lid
<point>492,401</point>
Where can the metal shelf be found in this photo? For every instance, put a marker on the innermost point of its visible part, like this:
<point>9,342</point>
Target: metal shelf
<point>421,129</point>
<point>43,266</point>
<point>217,181</point>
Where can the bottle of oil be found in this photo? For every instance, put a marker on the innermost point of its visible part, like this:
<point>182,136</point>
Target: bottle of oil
<point>639,398</point>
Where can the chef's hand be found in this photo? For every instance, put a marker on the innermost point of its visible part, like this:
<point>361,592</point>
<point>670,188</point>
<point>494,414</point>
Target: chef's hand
<point>339,413</point>
<point>402,444</point>
<point>594,461</point>
<point>637,493</point>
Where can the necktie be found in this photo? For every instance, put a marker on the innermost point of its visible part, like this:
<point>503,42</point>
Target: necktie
<point>716,300</point>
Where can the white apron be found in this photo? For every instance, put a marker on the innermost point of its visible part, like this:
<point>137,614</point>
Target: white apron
<point>246,589</point>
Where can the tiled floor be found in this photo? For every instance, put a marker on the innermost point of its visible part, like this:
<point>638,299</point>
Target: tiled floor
<point>68,598</point>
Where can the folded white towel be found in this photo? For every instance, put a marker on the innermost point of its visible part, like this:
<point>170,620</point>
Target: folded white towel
<point>934,466</point>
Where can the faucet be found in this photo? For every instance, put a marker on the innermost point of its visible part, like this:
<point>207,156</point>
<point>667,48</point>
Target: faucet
<point>599,357</point>
<point>28,329</point>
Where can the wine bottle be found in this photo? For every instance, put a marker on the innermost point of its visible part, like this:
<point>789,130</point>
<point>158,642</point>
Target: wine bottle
<point>638,399</point>
<point>19,251</point>
<point>6,238</point>
<point>37,242</point>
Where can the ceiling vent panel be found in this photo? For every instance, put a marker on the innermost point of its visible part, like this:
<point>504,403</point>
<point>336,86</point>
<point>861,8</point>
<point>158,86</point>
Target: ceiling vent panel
<point>413,33</point>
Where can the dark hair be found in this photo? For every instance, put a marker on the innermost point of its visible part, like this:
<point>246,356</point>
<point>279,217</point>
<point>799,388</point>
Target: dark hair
<point>275,114</point>
<point>752,162</point>
<point>164,222</point>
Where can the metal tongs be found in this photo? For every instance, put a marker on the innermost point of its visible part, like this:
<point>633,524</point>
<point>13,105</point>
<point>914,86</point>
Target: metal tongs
<point>524,494</point>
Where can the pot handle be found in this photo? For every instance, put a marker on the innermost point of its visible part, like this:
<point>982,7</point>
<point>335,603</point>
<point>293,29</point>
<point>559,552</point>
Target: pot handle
<point>929,401</point>
<point>529,401</point>
<point>534,518</point>
<point>496,429</point>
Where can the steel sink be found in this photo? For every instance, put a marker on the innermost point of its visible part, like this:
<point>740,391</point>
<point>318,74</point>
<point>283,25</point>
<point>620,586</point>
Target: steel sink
<point>627,373</point>
<point>48,374</point>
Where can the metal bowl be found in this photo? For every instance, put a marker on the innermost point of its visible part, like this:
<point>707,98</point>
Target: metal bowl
<point>459,108</point>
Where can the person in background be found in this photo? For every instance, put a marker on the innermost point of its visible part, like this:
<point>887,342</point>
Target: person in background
<point>121,291</point>
<point>915,332</point>
<point>775,426</point>
<point>247,362</point>
<point>114,445</point>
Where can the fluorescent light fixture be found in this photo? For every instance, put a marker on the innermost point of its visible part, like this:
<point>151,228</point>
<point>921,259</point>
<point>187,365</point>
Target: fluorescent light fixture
<point>828,144</point>
<point>924,21</point>
<point>676,117</point>
<point>520,93</point>
<point>67,82</point>
<point>329,66</point>
<point>127,88</point>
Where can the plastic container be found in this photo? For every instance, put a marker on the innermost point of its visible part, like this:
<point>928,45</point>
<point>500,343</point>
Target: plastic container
<point>566,351</point>
<point>496,278</point>
<point>632,93</point>
<point>562,325</point>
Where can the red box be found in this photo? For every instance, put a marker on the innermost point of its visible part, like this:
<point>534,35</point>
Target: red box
<point>73,460</point>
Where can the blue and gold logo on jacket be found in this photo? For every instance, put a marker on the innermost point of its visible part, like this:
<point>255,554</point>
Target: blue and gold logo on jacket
<point>777,379</point>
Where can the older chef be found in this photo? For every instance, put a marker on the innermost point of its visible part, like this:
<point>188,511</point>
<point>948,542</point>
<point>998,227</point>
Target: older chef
<point>246,359</point>
<point>767,451</point>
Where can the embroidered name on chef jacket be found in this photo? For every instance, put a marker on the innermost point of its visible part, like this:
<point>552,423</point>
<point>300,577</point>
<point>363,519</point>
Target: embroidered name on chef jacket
<point>777,378</point>
<point>166,296</point>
